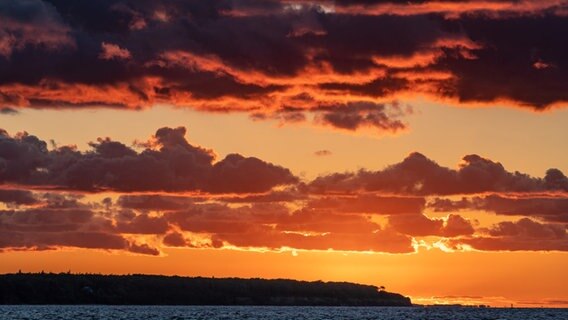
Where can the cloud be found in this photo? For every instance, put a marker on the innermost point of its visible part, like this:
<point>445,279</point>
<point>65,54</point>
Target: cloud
<point>132,223</point>
<point>154,202</point>
<point>357,115</point>
<point>511,60</point>
<point>323,153</point>
<point>44,228</point>
<point>18,197</point>
<point>262,58</point>
<point>169,163</point>
<point>112,51</point>
<point>143,249</point>
<point>55,220</point>
<point>456,225</point>
<point>290,194</point>
<point>551,209</point>
<point>238,174</point>
<point>168,192</point>
<point>263,237</point>
<point>421,225</point>
<point>213,217</point>
<point>31,23</point>
<point>418,175</point>
<point>175,239</point>
<point>369,204</point>
<point>524,234</point>
<point>8,111</point>
<point>453,9</point>
<point>44,240</point>
<point>135,222</point>
<point>275,227</point>
<point>351,116</point>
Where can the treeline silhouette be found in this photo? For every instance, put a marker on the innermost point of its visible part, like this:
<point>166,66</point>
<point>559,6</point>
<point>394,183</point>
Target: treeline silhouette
<point>67,288</point>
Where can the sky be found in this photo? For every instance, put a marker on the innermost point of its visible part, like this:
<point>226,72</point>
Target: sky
<point>417,145</point>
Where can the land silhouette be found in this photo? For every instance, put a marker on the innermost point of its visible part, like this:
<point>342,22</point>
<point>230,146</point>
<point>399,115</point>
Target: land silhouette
<point>67,288</point>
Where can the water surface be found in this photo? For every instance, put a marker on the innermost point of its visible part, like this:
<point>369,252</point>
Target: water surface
<point>272,313</point>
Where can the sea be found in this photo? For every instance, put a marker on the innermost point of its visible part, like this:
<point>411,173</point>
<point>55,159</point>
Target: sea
<point>84,312</point>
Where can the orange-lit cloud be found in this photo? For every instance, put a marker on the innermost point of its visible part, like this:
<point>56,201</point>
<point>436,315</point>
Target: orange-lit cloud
<point>112,51</point>
<point>318,58</point>
<point>166,192</point>
<point>453,9</point>
<point>524,234</point>
<point>553,209</point>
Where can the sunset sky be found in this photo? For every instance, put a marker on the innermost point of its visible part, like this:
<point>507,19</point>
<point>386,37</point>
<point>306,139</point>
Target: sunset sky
<point>420,145</point>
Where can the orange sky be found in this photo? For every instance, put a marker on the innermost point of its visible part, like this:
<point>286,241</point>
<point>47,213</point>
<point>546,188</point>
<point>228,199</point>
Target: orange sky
<point>497,278</point>
<point>429,276</point>
<point>419,146</point>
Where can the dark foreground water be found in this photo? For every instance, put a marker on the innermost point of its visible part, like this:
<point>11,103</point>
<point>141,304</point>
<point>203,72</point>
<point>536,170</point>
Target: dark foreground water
<point>271,313</point>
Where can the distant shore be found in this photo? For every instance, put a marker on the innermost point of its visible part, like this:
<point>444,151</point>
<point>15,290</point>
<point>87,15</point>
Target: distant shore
<point>72,289</point>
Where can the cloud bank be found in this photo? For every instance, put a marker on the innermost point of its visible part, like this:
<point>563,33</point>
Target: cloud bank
<point>344,62</point>
<point>167,192</point>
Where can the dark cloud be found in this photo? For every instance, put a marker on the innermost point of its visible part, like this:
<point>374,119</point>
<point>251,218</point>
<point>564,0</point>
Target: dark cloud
<point>48,220</point>
<point>350,116</point>
<point>8,111</point>
<point>143,249</point>
<point>380,87</point>
<point>421,225</point>
<point>53,200</point>
<point>175,239</point>
<point>20,156</point>
<point>416,224</point>
<point>552,209</point>
<point>525,234</point>
<point>263,57</point>
<point>169,163</point>
<point>456,225</point>
<point>369,204</point>
<point>62,220</point>
<point>447,205</point>
<point>353,116</point>
<point>372,2</point>
<point>214,218</point>
<point>347,223</point>
<point>18,197</point>
<point>154,202</point>
<point>238,174</point>
<point>418,175</point>
<point>45,228</point>
<point>323,153</point>
<point>44,240</point>
<point>32,23</point>
<point>526,61</point>
<point>128,222</point>
<point>346,44</point>
<point>288,195</point>
<point>175,194</point>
